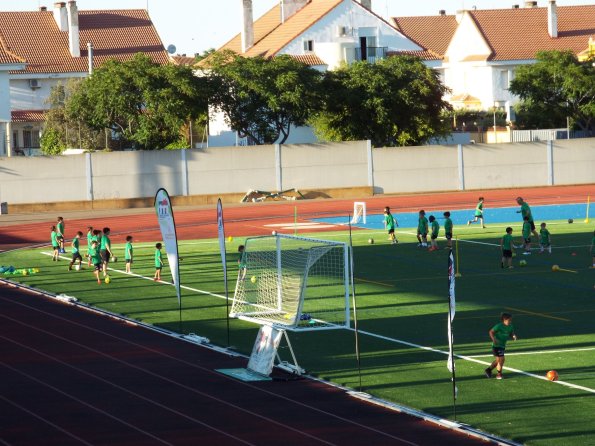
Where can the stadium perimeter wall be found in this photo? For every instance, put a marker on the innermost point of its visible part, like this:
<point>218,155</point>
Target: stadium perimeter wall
<point>198,176</point>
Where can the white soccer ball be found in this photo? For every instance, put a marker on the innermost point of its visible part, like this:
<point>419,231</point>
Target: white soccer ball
<point>77,267</point>
<point>274,233</point>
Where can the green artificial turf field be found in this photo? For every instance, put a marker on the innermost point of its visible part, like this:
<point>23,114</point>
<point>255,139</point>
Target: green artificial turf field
<point>402,306</point>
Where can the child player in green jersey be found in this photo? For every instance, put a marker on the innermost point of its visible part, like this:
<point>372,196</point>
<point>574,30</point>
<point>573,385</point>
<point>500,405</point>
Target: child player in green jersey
<point>60,230</point>
<point>500,334</point>
<point>89,240</point>
<point>478,213</point>
<point>545,241</point>
<point>527,236</point>
<point>105,248</point>
<point>506,245</point>
<point>76,253</point>
<point>434,233</point>
<point>389,224</point>
<point>422,230</point>
<point>128,254</point>
<point>96,259</point>
<point>55,244</point>
<point>158,262</point>
<point>242,263</point>
<point>448,229</point>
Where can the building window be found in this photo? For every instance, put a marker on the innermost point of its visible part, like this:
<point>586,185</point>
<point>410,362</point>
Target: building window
<point>27,138</point>
<point>15,139</point>
<point>504,82</point>
<point>308,46</point>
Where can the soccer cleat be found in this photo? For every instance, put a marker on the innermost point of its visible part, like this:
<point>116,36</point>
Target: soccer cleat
<point>419,245</point>
<point>468,223</point>
<point>511,267</point>
<point>499,375</point>
<point>527,253</point>
<point>488,372</point>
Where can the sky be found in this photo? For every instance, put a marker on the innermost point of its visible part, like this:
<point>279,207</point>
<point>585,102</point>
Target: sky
<point>194,26</point>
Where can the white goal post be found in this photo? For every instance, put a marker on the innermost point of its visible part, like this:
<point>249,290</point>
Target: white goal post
<point>359,212</point>
<point>294,283</point>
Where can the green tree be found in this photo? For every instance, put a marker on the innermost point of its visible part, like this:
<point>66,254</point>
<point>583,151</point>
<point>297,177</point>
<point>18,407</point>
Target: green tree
<point>262,98</point>
<point>144,102</point>
<point>394,102</point>
<point>557,86</point>
<point>61,130</point>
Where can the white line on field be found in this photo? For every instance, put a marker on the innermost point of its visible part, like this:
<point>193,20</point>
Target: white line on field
<point>386,338</point>
<point>539,352</point>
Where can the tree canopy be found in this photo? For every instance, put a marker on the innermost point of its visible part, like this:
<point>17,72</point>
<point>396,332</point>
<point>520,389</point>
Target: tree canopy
<point>557,86</point>
<point>262,98</point>
<point>144,102</point>
<point>394,102</point>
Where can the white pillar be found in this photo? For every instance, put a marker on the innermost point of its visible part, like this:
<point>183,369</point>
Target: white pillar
<point>185,187</point>
<point>370,164</point>
<point>89,176</point>
<point>550,162</point>
<point>278,168</point>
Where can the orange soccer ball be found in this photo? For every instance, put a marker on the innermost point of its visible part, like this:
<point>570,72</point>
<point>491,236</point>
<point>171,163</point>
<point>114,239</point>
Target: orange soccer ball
<point>552,375</point>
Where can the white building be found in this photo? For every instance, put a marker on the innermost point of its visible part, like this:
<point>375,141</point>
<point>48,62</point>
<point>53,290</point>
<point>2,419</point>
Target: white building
<point>322,33</point>
<point>41,49</point>
<point>478,51</point>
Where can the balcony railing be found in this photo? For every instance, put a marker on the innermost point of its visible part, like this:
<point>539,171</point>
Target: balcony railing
<point>371,54</point>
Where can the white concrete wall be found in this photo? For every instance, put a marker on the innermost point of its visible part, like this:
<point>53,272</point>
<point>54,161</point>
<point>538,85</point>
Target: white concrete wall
<point>329,165</point>
<point>414,169</point>
<point>4,97</point>
<point>574,161</point>
<point>310,166</point>
<point>22,97</point>
<point>490,166</point>
<point>231,169</point>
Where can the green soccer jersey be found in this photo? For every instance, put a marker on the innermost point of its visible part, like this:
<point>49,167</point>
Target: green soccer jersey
<point>60,228</point>
<point>502,334</point>
<point>89,238</point>
<point>435,228</point>
<point>158,259</point>
<point>507,242</point>
<point>422,225</point>
<point>526,211</point>
<point>389,221</point>
<point>95,256</point>
<point>128,251</point>
<point>479,209</point>
<point>544,237</point>
<point>75,245</point>
<point>105,243</point>
<point>448,225</point>
<point>54,237</point>
<point>526,229</point>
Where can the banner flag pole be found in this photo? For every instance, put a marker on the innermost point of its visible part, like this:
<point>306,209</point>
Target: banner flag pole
<point>450,363</point>
<point>167,224</point>
<point>221,231</point>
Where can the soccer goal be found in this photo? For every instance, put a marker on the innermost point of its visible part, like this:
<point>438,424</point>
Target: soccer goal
<point>359,212</point>
<point>294,283</point>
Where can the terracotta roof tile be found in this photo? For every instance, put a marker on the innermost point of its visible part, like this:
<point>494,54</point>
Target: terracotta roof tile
<point>422,54</point>
<point>270,36</point>
<point>183,60</point>
<point>432,33</point>
<point>525,33</point>
<point>27,115</point>
<point>308,59</point>
<point>35,37</point>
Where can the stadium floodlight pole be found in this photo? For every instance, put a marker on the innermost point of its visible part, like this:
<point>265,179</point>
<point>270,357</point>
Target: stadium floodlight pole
<point>357,354</point>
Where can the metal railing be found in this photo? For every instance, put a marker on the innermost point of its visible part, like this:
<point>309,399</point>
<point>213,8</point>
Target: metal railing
<point>371,53</point>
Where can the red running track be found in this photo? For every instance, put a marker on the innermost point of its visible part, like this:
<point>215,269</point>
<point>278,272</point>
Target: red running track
<point>70,376</point>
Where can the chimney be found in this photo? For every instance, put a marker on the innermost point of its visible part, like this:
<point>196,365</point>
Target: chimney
<point>515,6</point>
<point>442,12</point>
<point>43,9</point>
<point>73,29</point>
<point>60,16</point>
<point>90,57</point>
<point>552,19</point>
<point>366,4</point>
<point>531,4</point>
<point>248,26</point>
<point>290,7</point>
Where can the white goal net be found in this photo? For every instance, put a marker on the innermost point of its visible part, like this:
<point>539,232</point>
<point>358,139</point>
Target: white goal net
<point>294,283</point>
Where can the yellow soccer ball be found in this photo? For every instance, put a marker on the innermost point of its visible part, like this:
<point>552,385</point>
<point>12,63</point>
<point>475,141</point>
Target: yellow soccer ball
<point>107,279</point>
<point>253,279</point>
<point>555,268</point>
<point>230,239</point>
